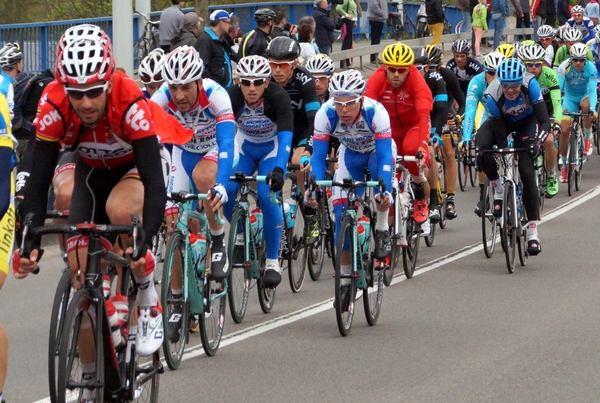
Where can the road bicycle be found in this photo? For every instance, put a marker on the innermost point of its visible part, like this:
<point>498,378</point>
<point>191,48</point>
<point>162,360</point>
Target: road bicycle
<point>246,248</point>
<point>465,164</point>
<point>148,40</point>
<point>187,268</point>
<point>541,179</point>
<point>576,152</point>
<point>366,272</point>
<point>84,333</point>
<point>401,26</point>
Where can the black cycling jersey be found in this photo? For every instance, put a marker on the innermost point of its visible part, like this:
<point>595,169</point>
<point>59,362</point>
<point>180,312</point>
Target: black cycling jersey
<point>435,82</point>
<point>472,68</point>
<point>455,93</point>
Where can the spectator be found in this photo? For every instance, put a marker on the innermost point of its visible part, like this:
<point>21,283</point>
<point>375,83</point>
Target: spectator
<point>551,13</point>
<point>306,32</point>
<point>538,14</point>
<point>281,27</point>
<point>187,34</point>
<point>170,21</point>
<point>348,12</point>
<point>377,13</point>
<point>592,11</point>
<point>465,10</point>
<point>511,22</point>
<point>217,62</point>
<point>562,12</point>
<point>525,20</point>
<point>435,20</point>
<point>500,11</point>
<point>479,25</point>
<point>324,27</point>
<point>256,41</point>
<point>233,38</point>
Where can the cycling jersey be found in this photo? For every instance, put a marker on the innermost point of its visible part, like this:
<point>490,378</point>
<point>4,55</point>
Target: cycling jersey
<point>550,52</point>
<point>562,54</point>
<point>439,117</point>
<point>577,84</point>
<point>472,68</point>
<point>7,89</point>
<point>595,48</point>
<point>7,186</point>
<point>519,108</point>
<point>305,104</point>
<point>548,81</point>
<point>211,119</point>
<point>586,26</point>
<point>475,95</point>
<point>454,91</point>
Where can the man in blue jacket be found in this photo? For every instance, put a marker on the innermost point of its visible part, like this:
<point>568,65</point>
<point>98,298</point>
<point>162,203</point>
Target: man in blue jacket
<point>212,49</point>
<point>324,27</point>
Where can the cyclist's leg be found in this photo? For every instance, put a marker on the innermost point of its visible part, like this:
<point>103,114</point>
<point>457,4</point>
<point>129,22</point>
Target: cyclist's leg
<point>485,140</point>
<point>383,246</point>
<point>411,144</point>
<point>569,106</point>
<point>587,124</point>
<point>339,203</point>
<point>450,173</point>
<point>431,187</point>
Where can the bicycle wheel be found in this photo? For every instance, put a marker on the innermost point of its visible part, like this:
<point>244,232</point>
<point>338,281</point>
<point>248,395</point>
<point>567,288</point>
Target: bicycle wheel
<point>542,180</point>
<point>510,218</point>
<point>266,296</point>
<point>522,235</point>
<point>145,378</point>
<point>59,310</point>
<point>580,159</point>
<point>388,274</point>
<point>410,28</point>
<point>239,277</point>
<point>472,173</point>
<point>411,251</point>
<point>297,252</point>
<point>571,155</point>
<point>175,309</point>
<point>442,193</point>
<point>489,224</point>
<point>430,238</point>
<point>316,250</point>
<point>159,248</point>
<point>80,328</point>
<point>141,48</point>
<point>463,167</point>
<point>212,320</point>
<point>373,294</point>
<point>597,131</point>
<point>345,288</point>
<point>421,28</point>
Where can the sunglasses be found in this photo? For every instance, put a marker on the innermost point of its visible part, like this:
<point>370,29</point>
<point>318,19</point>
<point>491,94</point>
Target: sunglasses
<point>491,72</point>
<point>321,78</point>
<point>421,67</point>
<point>546,39</point>
<point>578,60</point>
<point>399,70</point>
<point>281,65</point>
<point>577,15</point>
<point>146,78</point>
<point>347,103</point>
<point>533,64</point>
<point>511,86</point>
<point>92,92</point>
<point>257,82</point>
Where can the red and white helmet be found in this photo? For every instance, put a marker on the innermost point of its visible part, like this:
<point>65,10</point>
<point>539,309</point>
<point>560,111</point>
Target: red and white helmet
<point>182,66</point>
<point>82,31</point>
<point>85,61</point>
<point>150,70</point>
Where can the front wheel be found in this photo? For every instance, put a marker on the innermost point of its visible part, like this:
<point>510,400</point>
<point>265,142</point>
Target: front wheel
<point>59,310</point>
<point>145,378</point>
<point>373,294</point>
<point>411,251</point>
<point>212,320</point>
<point>489,223</point>
<point>345,283</point>
<point>463,168</point>
<point>511,225</point>
<point>580,158</point>
<point>239,276</point>
<point>266,296</point>
<point>297,252</point>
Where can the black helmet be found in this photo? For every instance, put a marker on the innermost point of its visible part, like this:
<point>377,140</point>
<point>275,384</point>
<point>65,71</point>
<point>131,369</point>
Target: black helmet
<point>264,15</point>
<point>283,48</point>
<point>421,56</point>
<point>435,54</point>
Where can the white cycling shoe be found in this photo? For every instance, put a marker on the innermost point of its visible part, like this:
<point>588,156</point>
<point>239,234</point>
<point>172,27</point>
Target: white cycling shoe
<point>150,332</point>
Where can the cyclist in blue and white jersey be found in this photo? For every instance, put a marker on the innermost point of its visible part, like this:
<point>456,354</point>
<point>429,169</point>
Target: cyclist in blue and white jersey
<point>594,46</point>
<point>11,63</point>
<point>363,127</point>
<point>475,96</point>
<point>584,24</point>
<point>203,106</point>
<point>515,104</point>
<point>264,118</point>
<point>150,72</point>
<point>577,79</point>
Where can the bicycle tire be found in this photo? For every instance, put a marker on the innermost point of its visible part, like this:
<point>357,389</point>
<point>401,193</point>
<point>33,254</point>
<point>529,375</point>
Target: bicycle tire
<point>83,311</point>
<point>580,159</point>
<point>522,234</point>
<point>431,237</point>
<point>410,28</point>
<point>141,392</point>
<point>373,294</point>
<point>597,131</point>
<point>212,320</point>
<point>174,344</point>
<point>159,249</point>
<point>489,224</point>
<point>266,296</point>
<point>141,48</point>
<point>316,251</point>
<point>59,309</point>
<point>462,168</point>
<point>441,190</point>
<point>297,251</point>
<point>388,275</point>
<point>239,279</point>
<point>542,182</point>
<point>344,317</point>
<point>411,251</point>
<point>510,217</point>
<point>421,28</point>
<point>472,174</point>
<point>571,156</point>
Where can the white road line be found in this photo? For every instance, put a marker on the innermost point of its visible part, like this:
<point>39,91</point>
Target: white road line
<point>315,309</point>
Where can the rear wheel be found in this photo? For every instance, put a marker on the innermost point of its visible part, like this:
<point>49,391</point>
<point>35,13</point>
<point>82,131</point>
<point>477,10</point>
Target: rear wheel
<point>388,274</point>
<point>463,169</point>
<point>489,224</point>
<point>411,251</point>
<point>297,252</point>
<point>239,276</point>
<point>572,155</point>
<point>442,192</point>
<point>522,234</point>
<point>212,320</point>
<point>317,250</point>
<point>510,227</point>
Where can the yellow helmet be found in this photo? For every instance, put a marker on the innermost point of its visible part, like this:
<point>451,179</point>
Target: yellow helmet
<point>506,49</point>
<point>398,55</point>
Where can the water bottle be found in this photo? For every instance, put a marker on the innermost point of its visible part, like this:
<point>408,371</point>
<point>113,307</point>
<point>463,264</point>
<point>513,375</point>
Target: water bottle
<point>292,203</point>
<point>287,212</point>
<point>198,245</point>
<point>361,238</point>
<point>257,212</point>
<point>116,325</point>
<point>254,226</point>
<point>364,221</point>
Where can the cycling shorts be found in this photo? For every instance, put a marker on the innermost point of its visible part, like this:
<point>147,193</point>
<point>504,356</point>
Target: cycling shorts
<point>572,104</point>
<point>407,143</point>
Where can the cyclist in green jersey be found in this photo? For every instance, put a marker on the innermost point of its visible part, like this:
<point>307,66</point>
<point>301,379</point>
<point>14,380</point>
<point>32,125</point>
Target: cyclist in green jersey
<point>533,57</point>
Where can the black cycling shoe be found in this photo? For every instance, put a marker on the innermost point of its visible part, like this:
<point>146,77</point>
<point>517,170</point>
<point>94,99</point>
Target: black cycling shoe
<point>534,247</point>
<point>497,208</point>
<point>478,207</point>
<point>174,325</point>
<point>434,214</point>
<point>383,245</point>
<point>219,264</point>
<point>312,228</point>
<point>345,294</point>
<point>271,278</point>
<point>450,211</point>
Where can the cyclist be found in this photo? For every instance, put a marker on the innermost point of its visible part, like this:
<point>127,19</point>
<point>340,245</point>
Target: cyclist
<point>264,118</point>
<point>300,86</point>
<point>594,46</point>
<point>322,68</point>
<point>548,42</point>
<point>506,49</point>
<point>203,106</point>
<point>571,36</point>
<point>533,57</point>
<point>102,113</point>
<point>475,97</point>
<point>11,63</point>
<point>363,128</point>
<point>515,104</point>
<point>455,98</point>
<point>581,23</point>
<point>150,72</point>
<point>405,95</point>
<point>462,65</point>
<point>578,79</point>
<point>256,41</point>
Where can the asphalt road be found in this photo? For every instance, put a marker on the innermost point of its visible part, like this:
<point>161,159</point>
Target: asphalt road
<point>461,330</point>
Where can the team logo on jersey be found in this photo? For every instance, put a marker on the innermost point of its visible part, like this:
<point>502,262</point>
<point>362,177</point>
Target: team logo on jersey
<point>137,118</point>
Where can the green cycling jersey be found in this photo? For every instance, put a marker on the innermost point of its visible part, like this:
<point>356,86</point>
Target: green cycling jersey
<point>548,81</point>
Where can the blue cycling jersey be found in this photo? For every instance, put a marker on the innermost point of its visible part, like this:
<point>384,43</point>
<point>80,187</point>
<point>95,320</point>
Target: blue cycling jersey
<point>577,84</point>
<point>519,108</point>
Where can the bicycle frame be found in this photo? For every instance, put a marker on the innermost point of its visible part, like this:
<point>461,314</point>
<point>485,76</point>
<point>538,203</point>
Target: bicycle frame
<point>404,199</point>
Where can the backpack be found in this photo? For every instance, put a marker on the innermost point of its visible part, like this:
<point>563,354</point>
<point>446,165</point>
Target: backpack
<point>28,91</point>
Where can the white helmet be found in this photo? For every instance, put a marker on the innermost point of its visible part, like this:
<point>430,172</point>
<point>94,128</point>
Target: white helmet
<point>82,31</point>
<point>182,66</point>
<point>320,64</point>
<point>10,55</point>
<point>492,61</point>
<point>577,10</point>
<point>572,35</point>
<point>347,83</point>
<point>532,52</point>
<point>150,70</point>
<point>85,61</point>
<point>254,66</point>
<point>545,31</point>
<point>579,51</point>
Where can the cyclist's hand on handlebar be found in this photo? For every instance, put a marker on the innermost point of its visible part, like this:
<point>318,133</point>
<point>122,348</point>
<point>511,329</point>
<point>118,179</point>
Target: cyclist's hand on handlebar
<point>276,179</point>
<point>218,196</point>
<point>23,266</point>
<point>423,156</point>
<point>556,129</point>
<point>305,162</point>
<point>143,266</point>
<point>387,201</point>
<point>436,141</point>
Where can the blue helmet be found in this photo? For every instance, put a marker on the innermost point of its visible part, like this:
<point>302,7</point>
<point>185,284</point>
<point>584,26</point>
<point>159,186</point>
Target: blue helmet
<point>510,70</point>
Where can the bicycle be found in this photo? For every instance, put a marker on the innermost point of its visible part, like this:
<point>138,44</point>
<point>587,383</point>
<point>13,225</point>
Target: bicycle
<point>120,374</point>
<point>148,40</point>
<point>401,26</point>
<point>465,163</point>
<point>442,195</point>
<point>246,248</point>
<point>187,268</point>
<point>364,275</point>
<point>576,152</point>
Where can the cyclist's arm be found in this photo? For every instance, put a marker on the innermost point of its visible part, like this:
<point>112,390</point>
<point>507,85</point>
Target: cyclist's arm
<point>383,146</point>
<point>423,105</point>
<point>560,74</point>
<point>592,89</point>
<point>311,106</point>
<point>539,106</point>
<point>551,80</point>
<point>320,143</point>
<point>559,57</point>
<point>474,92</point>
<point>225,133</point>
<point>284,117</point>
<point>440,105</point>
<point>454,89</point>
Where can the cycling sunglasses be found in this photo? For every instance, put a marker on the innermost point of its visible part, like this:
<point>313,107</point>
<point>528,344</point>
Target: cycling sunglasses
<point>533,64</point>
<point>281,65</point>
<point>257,82</point>
<point>347,103</point>
<point>92,92</point>
<point>420,67</point>
<point>399,70</point>
<point>578,59</point>
<point>147,79</point>
<point>577,15</point>
<point>511,86</point>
